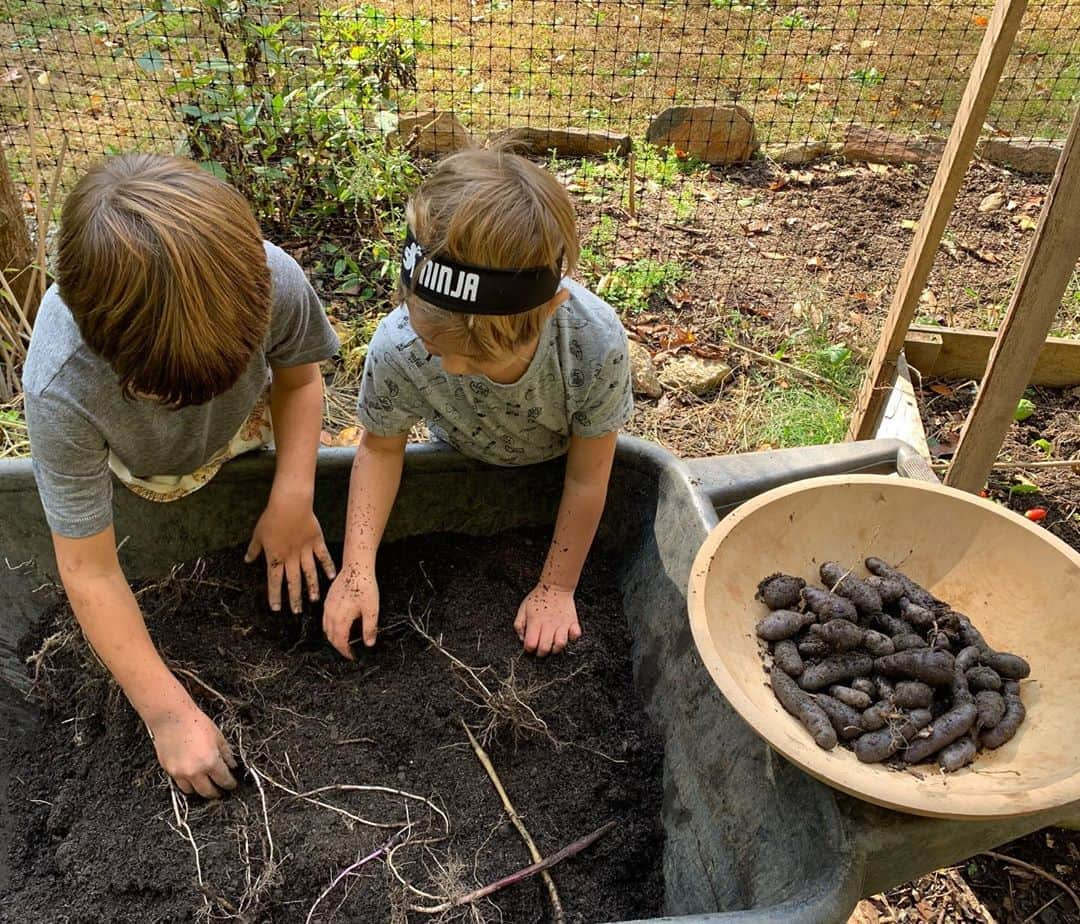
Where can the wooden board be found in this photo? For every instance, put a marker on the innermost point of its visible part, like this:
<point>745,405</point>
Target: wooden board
<point>1016,581</point>
<point>951,353</point>
<point>902,419</point>
<point>982,82</point>
<point>1046,272</point>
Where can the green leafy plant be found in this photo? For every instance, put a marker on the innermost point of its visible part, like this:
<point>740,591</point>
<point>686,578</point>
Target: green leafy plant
<point>631,287</point>
<point>797,20</point>
<point>867,76</point>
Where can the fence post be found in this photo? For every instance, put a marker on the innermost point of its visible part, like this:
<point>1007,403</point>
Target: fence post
<point>1047,270</point>
<point>16,252</point>
<point>985,74</point>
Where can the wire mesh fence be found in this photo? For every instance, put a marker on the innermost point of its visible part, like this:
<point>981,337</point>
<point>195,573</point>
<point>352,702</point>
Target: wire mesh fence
<point>295,102</point>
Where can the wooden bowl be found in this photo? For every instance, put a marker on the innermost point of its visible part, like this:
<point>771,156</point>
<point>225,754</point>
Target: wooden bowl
<point>1019,584</point>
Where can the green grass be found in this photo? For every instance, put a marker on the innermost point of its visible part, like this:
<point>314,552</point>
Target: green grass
<point>630,288</point>
<point>801,416</point>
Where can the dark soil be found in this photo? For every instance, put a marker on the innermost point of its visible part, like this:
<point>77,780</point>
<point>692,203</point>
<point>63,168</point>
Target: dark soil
<point>96,835</point>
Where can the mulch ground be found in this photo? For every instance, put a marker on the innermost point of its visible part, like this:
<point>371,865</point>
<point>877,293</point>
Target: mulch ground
<point>99,835</point>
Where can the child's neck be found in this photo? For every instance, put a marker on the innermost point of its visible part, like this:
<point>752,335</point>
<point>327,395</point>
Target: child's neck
<point>510,370</point>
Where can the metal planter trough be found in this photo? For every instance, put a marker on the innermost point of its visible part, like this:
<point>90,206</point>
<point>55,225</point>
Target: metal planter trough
<point>749,836</point>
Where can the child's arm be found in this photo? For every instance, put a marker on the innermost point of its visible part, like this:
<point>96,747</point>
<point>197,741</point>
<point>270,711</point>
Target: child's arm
<point>376,476</point>
<point>287,533</point>
<point>547,619</point>
<point>189,746</point>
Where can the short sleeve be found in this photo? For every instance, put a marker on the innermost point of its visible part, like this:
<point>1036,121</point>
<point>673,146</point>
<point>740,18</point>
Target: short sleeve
<point>389,402</point>
<point>71,467</point>
<point>609,403</point>
<point>299,330</point>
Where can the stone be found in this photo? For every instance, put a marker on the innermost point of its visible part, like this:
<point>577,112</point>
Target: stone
<point>432,132</point>
<point>714,134</point>
<point>694,374</point>
<point>1024,155</point>
<point>803,152</point>
<point>643,376</point>
<point>992,202</point>
<point>568,142</point>
<point>873,146</point>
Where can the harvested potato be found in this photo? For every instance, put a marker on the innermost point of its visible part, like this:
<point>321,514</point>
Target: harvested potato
<point>786,656</point>
<point>856,699</point>
<point>890,625</point>
<point>918,616</point>
<point>812,647</point>
<point>1009,666</point>
<point>780,591</point>
<point>967,658</point>
<point>916,593</point>
<point>828,605</point>
<point>907,641</point>
<point>841,581</point>
<point>911,694</point>
<point>991,706</point>
<point>878,715</point>
<point>932,667</point>
<point>889,589</point>
<point>781,624</point>
<point>944,731</point>
<point>876,746</point>
<point>846,721</point>
<point>835,669</point>
<point>970,636</point>
<point>878,644</point>
<point>864,685</point>
<point>801,705</point>
<point>1010,722</point>
<point>957,755</point>
<point>839,634</point>
<point>981,677</point>
<point>885,688</point>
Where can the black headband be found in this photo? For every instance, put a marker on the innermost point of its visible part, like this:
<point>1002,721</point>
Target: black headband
<point>466,289</point>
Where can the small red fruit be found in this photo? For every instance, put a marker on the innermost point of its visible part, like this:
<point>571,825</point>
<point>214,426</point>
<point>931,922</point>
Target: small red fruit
<point>1036,513</point>
<point>984,493</point>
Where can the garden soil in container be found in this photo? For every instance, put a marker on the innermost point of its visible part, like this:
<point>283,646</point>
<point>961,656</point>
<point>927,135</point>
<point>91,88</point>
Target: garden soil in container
<point>98,835</point>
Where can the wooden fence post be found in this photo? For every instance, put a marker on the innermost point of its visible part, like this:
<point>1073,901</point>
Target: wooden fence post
<point>16,252</point>
<point>983,81</point>
<point>1047,269</point>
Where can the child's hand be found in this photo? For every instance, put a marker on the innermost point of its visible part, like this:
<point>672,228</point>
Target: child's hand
<point>354,595</point>
<point>192,750</point>
<point>290,537</point>
<point>547,620</point>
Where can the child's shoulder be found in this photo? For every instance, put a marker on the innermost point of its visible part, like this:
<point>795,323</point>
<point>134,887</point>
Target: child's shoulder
<point>56,339</point>
<point>588,319</point>
<point>394,335</point>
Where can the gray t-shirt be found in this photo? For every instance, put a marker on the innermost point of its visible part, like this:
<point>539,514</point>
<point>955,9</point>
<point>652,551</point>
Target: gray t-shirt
<point>77,414</point>
<point>577,383</point>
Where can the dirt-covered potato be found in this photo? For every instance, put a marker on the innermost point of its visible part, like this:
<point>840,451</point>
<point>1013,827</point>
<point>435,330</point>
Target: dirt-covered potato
<point>876,746</point>
<point>856,699</point>
<point>801,705</point>
<point>907,641</point>
<point>981,677</point>
<point>1010,722</point>
<point>944,731</point>
<point>841,581</point>
<point>813,647</point>
<point>911,694</point>
<point>889,589</point>
<point>780,591</point>
<point>846,721</point>
<point>839,634</point>
<point>878,644</point>
<point>835,669</point>
<point>932,667</point>
<point>1009,666</point>
<point>786,656</point>
<point>918,616</point>
<point>991,706</point>
<point>959,754</point>
<point>828,605</point>
<point>781,624</point>
<point>916,593</point>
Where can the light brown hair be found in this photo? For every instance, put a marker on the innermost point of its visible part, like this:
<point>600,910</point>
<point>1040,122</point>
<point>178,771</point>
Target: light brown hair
<point>492,208</point>
<point>163,268</point>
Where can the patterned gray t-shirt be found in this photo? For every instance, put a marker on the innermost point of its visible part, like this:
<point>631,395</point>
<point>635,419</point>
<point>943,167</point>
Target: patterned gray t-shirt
<point>577,383</point>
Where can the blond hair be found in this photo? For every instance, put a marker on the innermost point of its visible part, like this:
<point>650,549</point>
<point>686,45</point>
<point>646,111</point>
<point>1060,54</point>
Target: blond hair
<point>163,268</point>
<point>491,208</point>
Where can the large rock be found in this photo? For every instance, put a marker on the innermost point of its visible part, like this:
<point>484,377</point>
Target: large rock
<point>643,376</point>
<point>803,152</point>
<point>432,132</point>
<point>569,142</point>
<point>873,146</point>
<point>1025,155</point>
<point>714,134</point>
<point>694,374</point>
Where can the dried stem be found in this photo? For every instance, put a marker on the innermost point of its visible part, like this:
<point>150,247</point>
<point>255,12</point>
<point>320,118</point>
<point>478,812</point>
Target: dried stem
<point>1038,871</point>
<point>485,761</point>
<point>350,870</point>
<point>520,876</point>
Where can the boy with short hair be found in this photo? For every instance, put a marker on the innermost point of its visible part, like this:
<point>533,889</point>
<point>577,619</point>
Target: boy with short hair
<point>505,359</point>
<point>151,358</point>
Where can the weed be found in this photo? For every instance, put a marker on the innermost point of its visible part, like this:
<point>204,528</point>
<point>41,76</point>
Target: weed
<point>867,76</point>
<point>799,416</point>
<point>633,287</point>
<point>797,20</point>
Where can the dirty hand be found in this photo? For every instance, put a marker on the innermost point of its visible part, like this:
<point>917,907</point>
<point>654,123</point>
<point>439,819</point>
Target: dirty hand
<point>289,536</point>
<point>547,620</point>
<point>193,752</point>
<point>354,595</point>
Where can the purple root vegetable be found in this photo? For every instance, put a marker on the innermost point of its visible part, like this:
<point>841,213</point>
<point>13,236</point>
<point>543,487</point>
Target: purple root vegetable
<point>982,677</point>
<point>916,593</point>
<point>890,625</point>
<point>967,658</point>
<point>944,731</point>
<point>835,669</point>
<point>780,591</point>
<point>877,716</point>
<point>918,616</point>
<point>812,647</point>
<point>802,706</point>
<point>786,656</point>
<point>1009,666</point>
<point>1010,722</point>
<point>841,581</point>
<point>889,589</point>
<point>991,706</point>
<point>884,688</point>
<point>856,699</point>
<point>970,636</point>
<point>911,694</point>
<point>876,746</point>
<point>957,755</point>
<point>864,685</point>
<point>839,634</point>
<point>878,644</point>
<point>961,692</point>
<point>908,641</point>
<point>932,667</point>
<point>828,605</point>
<point>846,721</point>
<point>781,624</point>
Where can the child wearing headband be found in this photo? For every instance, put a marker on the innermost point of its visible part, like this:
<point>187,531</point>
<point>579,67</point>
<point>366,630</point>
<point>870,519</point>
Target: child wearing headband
<point>505,358</point>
